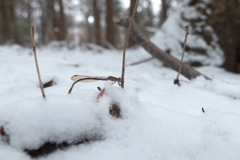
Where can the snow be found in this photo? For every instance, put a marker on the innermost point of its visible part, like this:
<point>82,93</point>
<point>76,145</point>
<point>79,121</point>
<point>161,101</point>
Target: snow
<point>159,120</point>
<point>172,34</point>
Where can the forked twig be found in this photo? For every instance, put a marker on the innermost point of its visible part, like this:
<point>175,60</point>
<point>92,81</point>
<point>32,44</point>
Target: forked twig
<point>36,62</point>
<point>83,78</point>
<point>126,42</point>
<point>176,81</point>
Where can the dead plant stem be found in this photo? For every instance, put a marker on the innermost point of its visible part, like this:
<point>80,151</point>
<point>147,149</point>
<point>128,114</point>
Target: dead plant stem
<point>36,62</point>
<point>142,61</point>
<point>176,81</point>
<point>126,43</point>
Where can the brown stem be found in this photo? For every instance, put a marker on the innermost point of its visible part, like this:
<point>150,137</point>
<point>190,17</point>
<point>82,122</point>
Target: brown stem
<point>176,81</point>
<point>142,61</point>
<point>126,42</point>
<point>101,93</point>
<point>110,78</point>
<point>36,62</point>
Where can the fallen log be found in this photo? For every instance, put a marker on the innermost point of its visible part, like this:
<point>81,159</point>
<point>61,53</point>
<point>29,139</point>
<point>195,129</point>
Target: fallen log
<point>161,55</point>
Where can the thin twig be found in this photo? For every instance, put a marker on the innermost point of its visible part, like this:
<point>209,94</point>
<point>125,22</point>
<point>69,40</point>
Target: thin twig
<point>142,61</point>
<point>176,81</point>
<point>126,42</point>
<point>36,62</point>
<point>89,78</point>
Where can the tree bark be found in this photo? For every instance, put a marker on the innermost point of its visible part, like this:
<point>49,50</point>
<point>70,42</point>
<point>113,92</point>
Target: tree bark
<point>13,21</point>
<point>53,29</point>
<point>97,26</point>
<point>5,21</point>
<point>131,41</point>
<point>110,35</point>
<point>62,23</point>
<point>161,55</point>
<point>44,22</point>
<point>226,23</point>
<point>163,12</point>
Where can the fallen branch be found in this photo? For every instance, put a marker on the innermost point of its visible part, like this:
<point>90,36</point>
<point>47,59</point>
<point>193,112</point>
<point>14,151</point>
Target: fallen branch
<point>161,55</point>
<point>36,62</point>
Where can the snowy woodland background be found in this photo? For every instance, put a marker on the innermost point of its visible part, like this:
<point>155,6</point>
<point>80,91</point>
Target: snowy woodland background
<point>158,120</point>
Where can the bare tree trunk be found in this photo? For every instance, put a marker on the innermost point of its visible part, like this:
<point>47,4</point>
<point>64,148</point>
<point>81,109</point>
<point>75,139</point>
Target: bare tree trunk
<point>226,24</point>
<point>149,22</point>
<point>44,22</point>
<point>5,21</point>
<point>29,11</point>
<point>13,21</point>
<point>54,29</point>
<point>62,22</point>
<point>163,12</point>
<point>97,26</point>
<point>110,35</point>
<point>167,59</point>
<point>238,58</point>
<point>131,41</point>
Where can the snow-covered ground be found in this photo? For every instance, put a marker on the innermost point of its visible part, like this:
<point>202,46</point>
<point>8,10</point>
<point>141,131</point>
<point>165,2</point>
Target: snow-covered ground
<point>159,120</point>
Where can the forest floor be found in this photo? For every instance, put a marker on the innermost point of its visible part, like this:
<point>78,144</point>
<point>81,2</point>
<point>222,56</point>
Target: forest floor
<point>197,121</point>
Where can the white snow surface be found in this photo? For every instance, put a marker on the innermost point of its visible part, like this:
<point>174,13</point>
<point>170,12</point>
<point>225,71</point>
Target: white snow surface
<point>159,120</point>
<point>172,34</point>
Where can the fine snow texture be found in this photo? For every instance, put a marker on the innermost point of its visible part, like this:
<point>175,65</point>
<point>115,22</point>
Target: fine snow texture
<point>159,120</point>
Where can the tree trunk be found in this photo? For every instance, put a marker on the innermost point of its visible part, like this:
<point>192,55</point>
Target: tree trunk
<point>44,38</point>
<point>163,12</point>
<point>97,26</point>
<point>167,59</point>
<point>131,41</point>
<point>226,24</point>
<point>62,23</point>
<point>150,17</point>
<point>53,29</point>
<point>13,21</point>
<point>110,35</point>
<point>29,11</point>
<point>5,21</point>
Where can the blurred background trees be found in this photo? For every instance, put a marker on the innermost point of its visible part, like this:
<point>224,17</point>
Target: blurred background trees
<point>86,23</point>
